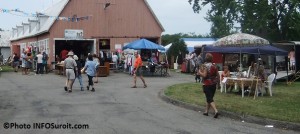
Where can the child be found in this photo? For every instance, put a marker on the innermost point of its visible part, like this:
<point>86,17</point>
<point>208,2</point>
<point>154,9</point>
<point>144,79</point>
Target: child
<point>197,77</point>
<point>226,73</point>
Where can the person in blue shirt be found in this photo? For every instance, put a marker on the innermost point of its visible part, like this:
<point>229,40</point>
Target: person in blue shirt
<point>90,69</point>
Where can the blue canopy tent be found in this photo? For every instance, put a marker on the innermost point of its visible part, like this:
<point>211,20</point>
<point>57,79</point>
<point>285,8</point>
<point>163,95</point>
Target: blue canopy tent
<point>143,44</point>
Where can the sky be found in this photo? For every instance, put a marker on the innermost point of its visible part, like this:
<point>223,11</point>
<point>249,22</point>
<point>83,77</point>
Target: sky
<point>176,16</point>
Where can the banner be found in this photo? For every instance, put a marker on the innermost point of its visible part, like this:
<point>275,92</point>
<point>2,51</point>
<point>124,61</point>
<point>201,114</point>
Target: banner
<point>25,14</point>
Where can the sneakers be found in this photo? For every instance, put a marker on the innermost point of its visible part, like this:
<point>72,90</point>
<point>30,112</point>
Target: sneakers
<point>88,88</point>
<point>66,89</point>
<point>133,87</point>
<point>216,115</point>
<point>145,86</point>
<point>81,89</point>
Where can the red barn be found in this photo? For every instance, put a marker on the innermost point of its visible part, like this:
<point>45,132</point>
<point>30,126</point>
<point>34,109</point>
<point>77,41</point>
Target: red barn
<point>87,26</point>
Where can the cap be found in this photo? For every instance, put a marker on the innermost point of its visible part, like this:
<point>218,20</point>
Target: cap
<point>70,53</point>
<point>75,57</point>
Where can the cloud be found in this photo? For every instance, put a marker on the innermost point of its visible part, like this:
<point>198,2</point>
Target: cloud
<point>177,16</point>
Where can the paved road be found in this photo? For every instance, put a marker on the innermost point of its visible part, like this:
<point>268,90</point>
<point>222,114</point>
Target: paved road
<point>114,108</point>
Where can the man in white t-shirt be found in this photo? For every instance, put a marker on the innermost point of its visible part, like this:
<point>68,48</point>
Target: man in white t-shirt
<point>129,62</point>
<point>115,60</point>
<point>291,56</point>
<point>39,65</point>
<point>24,60</point>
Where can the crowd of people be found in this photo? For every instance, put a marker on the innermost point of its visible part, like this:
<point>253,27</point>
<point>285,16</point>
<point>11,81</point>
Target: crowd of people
<point>74,69</point>
<point>204,69</point>
<point>27,61</point>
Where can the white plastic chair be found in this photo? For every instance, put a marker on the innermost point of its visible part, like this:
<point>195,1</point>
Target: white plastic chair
<point>221,83</point>
<point>248,73</point>
<point>244,74</point>
<point>269,82</point>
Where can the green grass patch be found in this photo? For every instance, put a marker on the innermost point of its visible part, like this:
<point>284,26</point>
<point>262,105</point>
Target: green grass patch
<point>6,69</point>
<point>284,105</point>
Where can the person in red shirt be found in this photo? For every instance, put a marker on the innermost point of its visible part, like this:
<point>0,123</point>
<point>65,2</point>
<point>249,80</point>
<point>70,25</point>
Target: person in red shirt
<point>138,70</point>
<point>210,77</point>
<point>63,54</point>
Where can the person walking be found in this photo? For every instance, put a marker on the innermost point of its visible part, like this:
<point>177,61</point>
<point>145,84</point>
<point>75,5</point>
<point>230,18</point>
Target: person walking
<point>115,60</point>
<point>210,78</point>
<point>45,64</point>
<point>90,68</point>
<point>39,65</point>
<point>199,62</point>
<point>78,76</point>
<point>70,65</point>
<point>129,63</point>
<point>133,61</point>
<point>138,70</point>
<point>24,60</point>
<point>16,60</point>
<point>29,61</point>
<point>123,60</point>
<point>96,59</point>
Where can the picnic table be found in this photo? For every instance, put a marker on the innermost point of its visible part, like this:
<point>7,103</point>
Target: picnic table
<point>60,68</point>
<point>243,82</point>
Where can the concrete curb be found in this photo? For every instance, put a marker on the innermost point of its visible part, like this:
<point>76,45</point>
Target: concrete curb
<point>235,116</point>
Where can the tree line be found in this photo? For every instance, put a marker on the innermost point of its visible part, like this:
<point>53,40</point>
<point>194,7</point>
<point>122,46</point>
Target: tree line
<point>275,20</point>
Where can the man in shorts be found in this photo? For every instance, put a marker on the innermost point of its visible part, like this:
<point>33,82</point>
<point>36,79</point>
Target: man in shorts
<point>138,70</point>
<point>24,60</point>
<point>71,67</point>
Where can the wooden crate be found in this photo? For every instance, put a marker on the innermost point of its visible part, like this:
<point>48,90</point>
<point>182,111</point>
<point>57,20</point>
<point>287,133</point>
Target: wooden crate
<point>103,71</point>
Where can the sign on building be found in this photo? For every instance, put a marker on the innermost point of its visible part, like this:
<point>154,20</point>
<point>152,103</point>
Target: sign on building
<point>72,34</point>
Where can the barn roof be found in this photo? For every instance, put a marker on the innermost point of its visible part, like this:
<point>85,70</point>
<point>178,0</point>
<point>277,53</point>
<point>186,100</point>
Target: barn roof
<point>56,10</point>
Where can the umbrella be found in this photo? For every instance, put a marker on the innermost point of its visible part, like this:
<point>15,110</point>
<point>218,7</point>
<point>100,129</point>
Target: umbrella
<point>143,44</point>
<point>241,40</point>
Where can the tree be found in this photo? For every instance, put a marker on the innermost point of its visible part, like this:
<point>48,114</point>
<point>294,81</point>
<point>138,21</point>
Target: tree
<point>167,39</point>
<point>178,45</point>
<point>178,48</point>
<point>170,38</point>
<point>254,17</point>
<point>284,16</point>
<point>272,19</point>
<point>222,15</point>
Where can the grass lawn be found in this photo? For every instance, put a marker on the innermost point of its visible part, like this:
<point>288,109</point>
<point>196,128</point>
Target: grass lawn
<point>6,69</point>
<point>284,105</point>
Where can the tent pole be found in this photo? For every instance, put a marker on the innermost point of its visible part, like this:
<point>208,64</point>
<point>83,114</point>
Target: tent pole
<point>241,68</point>
<point>287,70</point>
<point>224,60</point>
<point>257,77</point>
